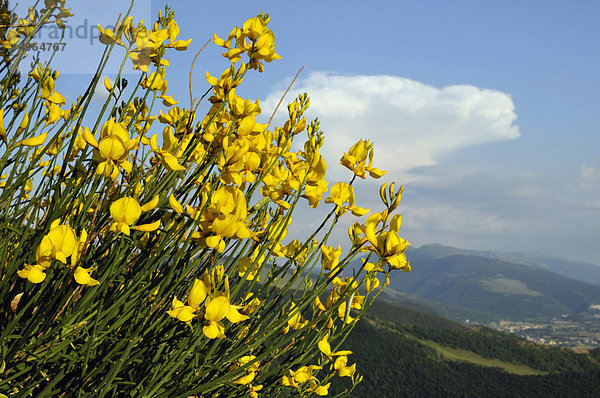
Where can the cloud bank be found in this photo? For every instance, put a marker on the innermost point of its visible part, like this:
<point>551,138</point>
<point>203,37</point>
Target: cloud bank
<point>413,124</point>
<point>480,205</point>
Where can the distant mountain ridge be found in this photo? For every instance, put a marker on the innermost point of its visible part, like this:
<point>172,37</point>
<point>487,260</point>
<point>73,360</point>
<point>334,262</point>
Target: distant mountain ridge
<point>482,286</point>
<point>581,271</point>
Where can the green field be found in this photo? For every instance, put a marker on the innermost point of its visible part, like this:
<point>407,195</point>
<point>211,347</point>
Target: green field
<point>455,354</point>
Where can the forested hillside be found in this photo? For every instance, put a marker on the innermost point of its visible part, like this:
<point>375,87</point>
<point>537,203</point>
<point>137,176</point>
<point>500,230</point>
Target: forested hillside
<point>403,352</point>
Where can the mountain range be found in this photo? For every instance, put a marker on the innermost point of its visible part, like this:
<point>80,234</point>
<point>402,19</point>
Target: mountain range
<point>483,286</point>
<point>584,272</point>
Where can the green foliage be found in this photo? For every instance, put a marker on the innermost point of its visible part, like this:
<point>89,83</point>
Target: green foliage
<point>403,314</point>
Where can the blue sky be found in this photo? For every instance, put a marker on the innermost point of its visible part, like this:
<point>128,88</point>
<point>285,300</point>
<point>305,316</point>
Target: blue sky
<point>488,112</point>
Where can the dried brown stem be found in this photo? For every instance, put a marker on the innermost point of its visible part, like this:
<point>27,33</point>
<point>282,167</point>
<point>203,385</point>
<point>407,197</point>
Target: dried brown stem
<point>191,70</point>
<point>283,96</point>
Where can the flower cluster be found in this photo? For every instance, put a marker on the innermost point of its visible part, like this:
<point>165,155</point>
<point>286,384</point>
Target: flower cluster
<point>356,160</point>
<point>376,236</point>
<point>255,39</point>
<point>217,305</point>
<point>58,244</point>
<point>145,46</point>
<point>186,220</point>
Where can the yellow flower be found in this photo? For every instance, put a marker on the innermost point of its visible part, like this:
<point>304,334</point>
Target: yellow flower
<point>196,296</point>
<point>245,268</point>
<point>2,128</point>
<point>253,390</point>
<point>59,243</point>
<point>321,390</point>
<point>148,227</point>
<point>34,141</point>
<point>356,160</point>
<point>229,225</point>
<point>173,31</point>
<point>314,192</point>
<point>330,257</point>
<point>155,81</point>
<point>147,45</point>
<point>107,36</point>
<point>253,28</point>
<point>319,305</point>
<point>226,216</point>
<point>214,330</point>
<point>43,253</point>
<point>263,42</point>
<point>62,241</point>
<point>371,227</point>
<point>246,379</point>
<point>371,284</point>
<point>169,160</point>
<point>168,100</point>
<point>296,322</point>
<point>318,168</point>
<point>12,38</point>
<point>288,381</point>
<point>107,85</point>
<point>343,313</point>
<point>217,309</point>
<point>82,276</point>
<point>113,148</point>
<point>54,113</point>
<point>388,245</point>
<point>250,370</point>
<point>126,211</point>
<point>179,45</point>
<point>79,248</point>
<point>303,374</point>
<point>325,348</point>
<point>356,157</point>
<point>23,126</point>
<point>151,205</point>
<point>175,205</point>
<point>342,369</point>
<point>33,273</point>
<point>342,193</point>
<point>184,313</point>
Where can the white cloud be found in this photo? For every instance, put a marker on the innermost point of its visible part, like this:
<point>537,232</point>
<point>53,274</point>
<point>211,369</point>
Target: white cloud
<point>412,124</point>
<point>100,92</point>
<point>590,176</point>
<point>586,191</point>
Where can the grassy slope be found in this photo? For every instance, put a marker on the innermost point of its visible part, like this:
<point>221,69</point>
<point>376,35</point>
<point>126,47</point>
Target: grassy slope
<point>457,354</point>
<point>463,355</point>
